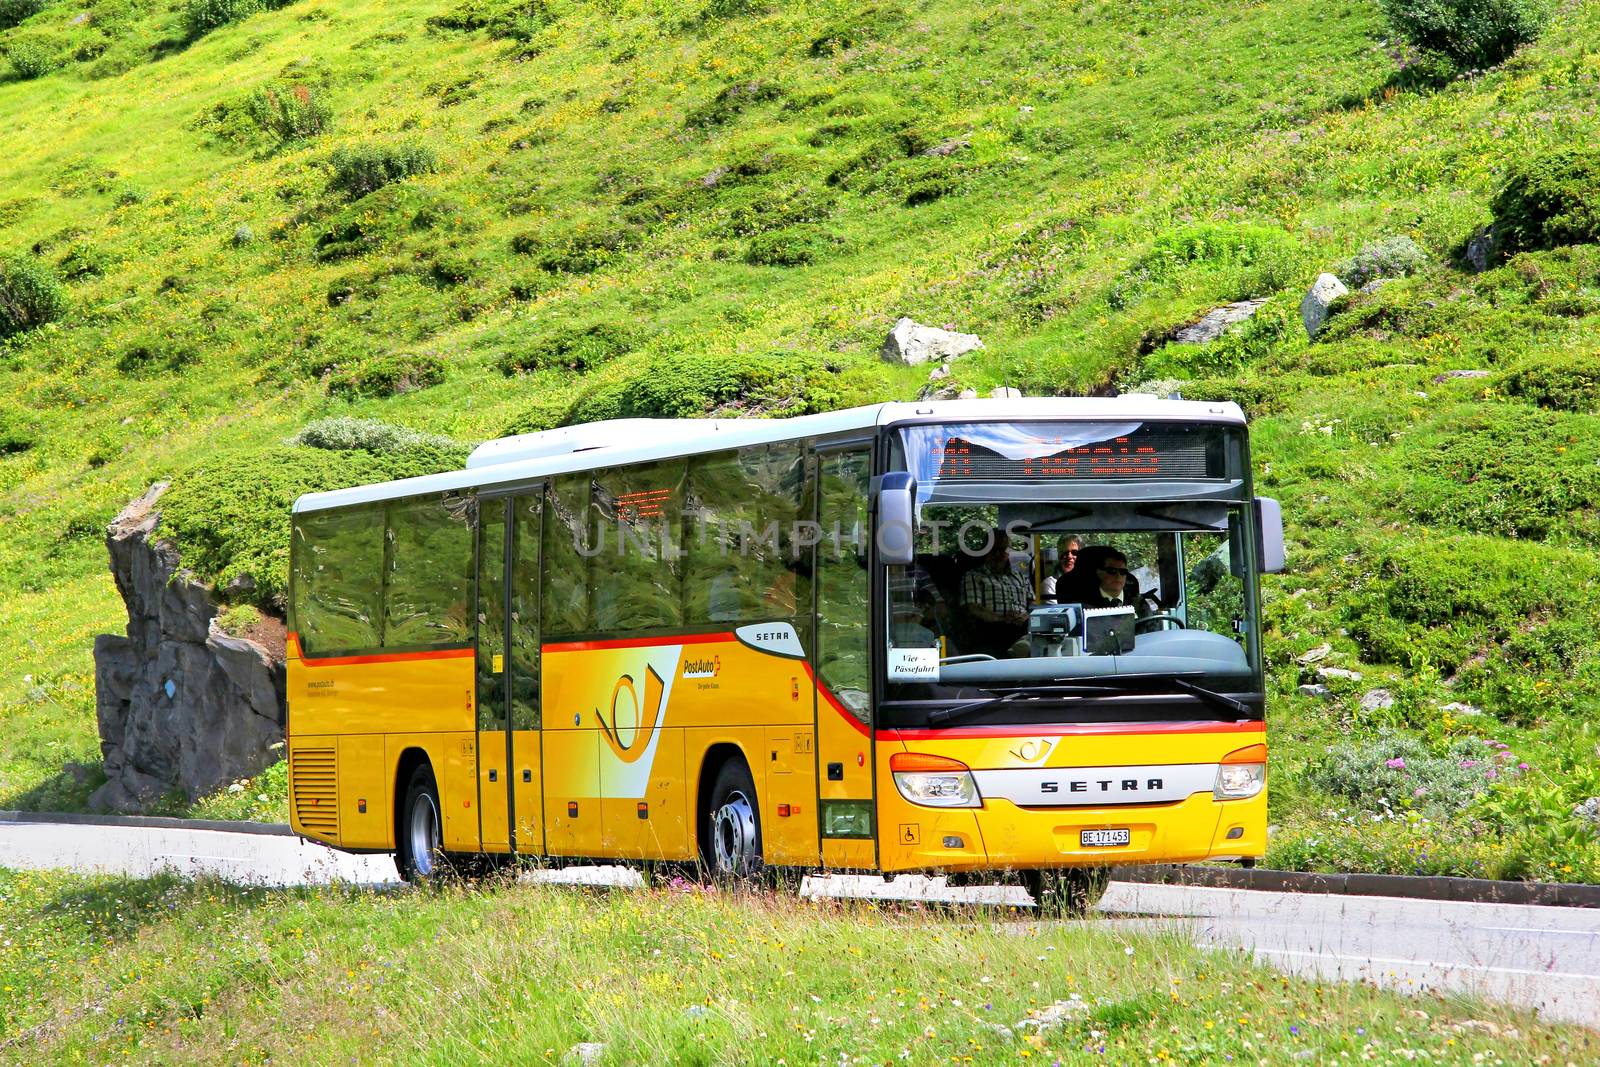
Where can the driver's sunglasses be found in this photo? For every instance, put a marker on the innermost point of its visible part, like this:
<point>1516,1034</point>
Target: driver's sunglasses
<point>1072,552</point>
<point>1122,571</point>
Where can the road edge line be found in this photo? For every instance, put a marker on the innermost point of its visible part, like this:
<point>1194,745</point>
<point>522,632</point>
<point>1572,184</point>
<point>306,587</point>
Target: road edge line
<point>1406,886</point>
<point>273,829</point>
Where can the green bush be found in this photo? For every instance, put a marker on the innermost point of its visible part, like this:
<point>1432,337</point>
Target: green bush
<point>1393,772</point>
<point>870,23</point>
<point>157,355</point>
<point>1391,257</point>
<point>203,16</point>
<point>16,12</point>
<point>730,103</point>
<point>388,216</point>
<point>365,169</point>
<point>344,433</point>
<point>387,375</point>
<point>1562,383</point>
<point>1470,34</point>
<point>686,386</point>
<point>517,20</point>
<point>577,348</point>
<point>578,249</point>
<point>1550,200</point>
<point>1505,469</point>
<point>289,112</point>
<point>30,295</point>
<point>32,59</point>
<point>791,246</point>
<point>82,260</point>
<point>229,514</point>
<point>1235,260</point>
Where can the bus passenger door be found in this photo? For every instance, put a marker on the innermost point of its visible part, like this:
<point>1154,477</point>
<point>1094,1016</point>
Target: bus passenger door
<point>523,677</point>
<point>492,757</point>
<point>842,660</point>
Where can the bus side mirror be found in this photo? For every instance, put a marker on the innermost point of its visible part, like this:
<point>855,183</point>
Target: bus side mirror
<point>897,518</point>
<point>1269,535</point>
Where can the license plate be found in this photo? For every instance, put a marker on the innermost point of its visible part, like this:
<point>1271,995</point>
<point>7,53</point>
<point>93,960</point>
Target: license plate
<point>1103,838</point>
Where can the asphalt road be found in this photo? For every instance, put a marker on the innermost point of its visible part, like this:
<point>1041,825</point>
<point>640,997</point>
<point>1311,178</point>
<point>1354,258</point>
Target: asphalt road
<point>1537,957</point>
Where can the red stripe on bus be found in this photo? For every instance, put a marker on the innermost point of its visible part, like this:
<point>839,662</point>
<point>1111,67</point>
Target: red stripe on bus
<point>1068,730</point>
<point>828,698</point>
<point>640,642</point>
<point>382,657</point>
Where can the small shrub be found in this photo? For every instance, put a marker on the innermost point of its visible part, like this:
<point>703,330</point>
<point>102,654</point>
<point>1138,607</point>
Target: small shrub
<point>344,433</point>
<point>365,169</point>
<point>683,386</point>
<point>1469,34</point>
<point>1393,772</point>
<point>871,23</point>
<point>518,20</point>
<point>289,112</point>
<point>82,261</point>
<point>792,246</point>
<point>203,16</point>
<point>237,620</point>
<point>580,249</point>
<point>1563,384</point>
<point>386,217</point>
<point>16,12</point>
<point>30,295</point>
<point>32,59</point>
<point>1391,257</point>
<point>578,348</point>
<point>1550,200</point>
<point>1238,260</point>
<point>157,355</point>
<point>389,375</point>
<point>730,103</point>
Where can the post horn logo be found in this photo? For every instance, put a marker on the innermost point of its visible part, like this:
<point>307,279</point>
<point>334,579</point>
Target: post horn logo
<point>632,722</point>
<point>1031,751</point>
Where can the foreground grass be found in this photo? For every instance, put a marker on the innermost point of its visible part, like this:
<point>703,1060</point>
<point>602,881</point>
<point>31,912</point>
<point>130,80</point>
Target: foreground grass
<point>95,969</point>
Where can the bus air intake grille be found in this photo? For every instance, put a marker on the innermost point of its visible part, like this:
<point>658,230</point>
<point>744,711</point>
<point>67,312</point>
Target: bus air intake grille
<point>313,790</point>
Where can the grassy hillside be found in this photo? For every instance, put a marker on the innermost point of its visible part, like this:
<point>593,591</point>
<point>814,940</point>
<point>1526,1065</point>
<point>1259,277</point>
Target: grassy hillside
<point>490,217</point>
<point>167,972</point>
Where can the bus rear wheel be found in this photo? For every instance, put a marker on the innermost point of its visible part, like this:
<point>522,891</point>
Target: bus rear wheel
<point>732,847</point>
<point>419,854</point>
<point>1070,893</point>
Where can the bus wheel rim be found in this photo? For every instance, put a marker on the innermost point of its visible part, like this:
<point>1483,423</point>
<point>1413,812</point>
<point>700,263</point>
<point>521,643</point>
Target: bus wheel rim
<point>424,834</point>
<point>733,834</point>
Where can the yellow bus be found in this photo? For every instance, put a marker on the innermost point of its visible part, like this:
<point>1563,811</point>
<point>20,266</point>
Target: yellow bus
<point>957,636</point>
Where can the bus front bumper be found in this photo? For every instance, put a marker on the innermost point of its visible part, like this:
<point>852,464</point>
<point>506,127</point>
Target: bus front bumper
<point>1001,835</point>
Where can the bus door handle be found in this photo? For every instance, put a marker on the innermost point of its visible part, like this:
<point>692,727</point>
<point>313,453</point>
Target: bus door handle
<point>527,774</point>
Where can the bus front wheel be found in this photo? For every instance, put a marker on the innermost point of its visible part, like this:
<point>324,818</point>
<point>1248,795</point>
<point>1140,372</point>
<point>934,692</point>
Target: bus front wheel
<point>733,825</point>
<point>1069,893</point>
<point>420,851</point>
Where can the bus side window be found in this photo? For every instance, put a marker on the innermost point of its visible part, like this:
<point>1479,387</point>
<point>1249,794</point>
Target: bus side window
<point>430,574</point>
<point>744,565</point>
<point>339,580</point>
<point>569,537</point>
<point>635,582</point>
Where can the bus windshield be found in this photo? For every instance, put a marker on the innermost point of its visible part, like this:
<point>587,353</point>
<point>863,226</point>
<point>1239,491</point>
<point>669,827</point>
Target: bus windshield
<point>1032,577</point>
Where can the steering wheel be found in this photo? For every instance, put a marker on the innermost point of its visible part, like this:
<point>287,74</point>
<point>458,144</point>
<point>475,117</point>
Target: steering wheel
<point>1165,618</point>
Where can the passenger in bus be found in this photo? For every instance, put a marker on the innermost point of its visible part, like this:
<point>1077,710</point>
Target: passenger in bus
<point>1067,550</point>
<point>994,602</point>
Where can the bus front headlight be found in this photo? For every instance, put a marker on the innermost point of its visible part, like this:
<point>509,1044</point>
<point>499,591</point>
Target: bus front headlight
<point>1241,774</point>
<point>934,781</point>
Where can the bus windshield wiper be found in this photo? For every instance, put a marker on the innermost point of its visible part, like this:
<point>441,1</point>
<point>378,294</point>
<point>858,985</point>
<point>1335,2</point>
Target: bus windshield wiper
<point>958,711</point>
<point>1220,699</point>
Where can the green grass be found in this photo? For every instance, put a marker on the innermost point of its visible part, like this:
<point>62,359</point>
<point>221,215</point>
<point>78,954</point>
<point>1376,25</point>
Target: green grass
<point>740,199</point>
<point>166,971</point>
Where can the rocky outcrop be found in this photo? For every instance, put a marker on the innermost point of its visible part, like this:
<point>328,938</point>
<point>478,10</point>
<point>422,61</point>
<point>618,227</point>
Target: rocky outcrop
<point>1319,302</point>
<point>912,343</point>
<point>1217,322</point>
<point>181,704</point>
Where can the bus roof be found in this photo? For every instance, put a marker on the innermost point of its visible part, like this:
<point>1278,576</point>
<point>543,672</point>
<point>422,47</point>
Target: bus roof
<point>529,457</point>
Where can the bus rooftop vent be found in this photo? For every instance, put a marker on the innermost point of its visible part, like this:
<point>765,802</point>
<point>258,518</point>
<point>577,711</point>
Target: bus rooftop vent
<point>592,435</point>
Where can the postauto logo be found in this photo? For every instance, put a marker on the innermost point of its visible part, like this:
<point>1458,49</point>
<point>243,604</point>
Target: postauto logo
<point>702,668</point>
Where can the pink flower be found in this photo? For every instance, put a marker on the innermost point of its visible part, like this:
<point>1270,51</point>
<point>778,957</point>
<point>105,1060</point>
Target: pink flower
<point>1396,764</point>
<point>1469,763</point>
<point>1522,766</point>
